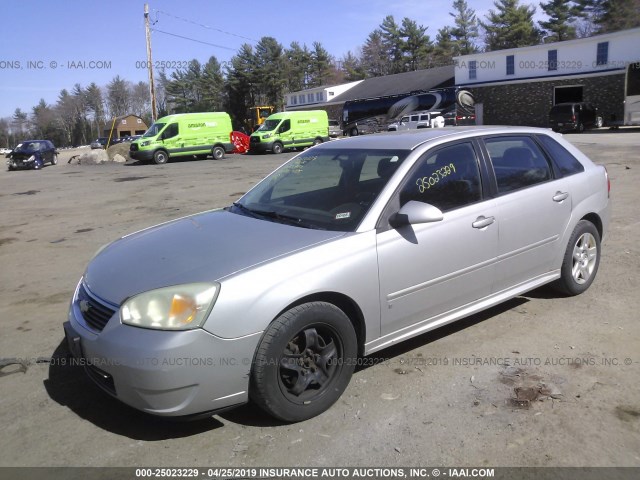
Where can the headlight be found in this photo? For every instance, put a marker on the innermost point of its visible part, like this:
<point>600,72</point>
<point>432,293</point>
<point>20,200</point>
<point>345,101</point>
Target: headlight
<point>144,144</point>
<point>181,307</point>
<point>31,158</point>
<point>268,135</point>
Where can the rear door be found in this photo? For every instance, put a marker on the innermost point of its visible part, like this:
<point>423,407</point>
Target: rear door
<point>533,209</point>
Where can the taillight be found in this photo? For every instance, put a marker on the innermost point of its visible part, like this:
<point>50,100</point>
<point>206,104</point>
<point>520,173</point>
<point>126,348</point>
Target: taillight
<point>606,175</point>
<point>573,118</point>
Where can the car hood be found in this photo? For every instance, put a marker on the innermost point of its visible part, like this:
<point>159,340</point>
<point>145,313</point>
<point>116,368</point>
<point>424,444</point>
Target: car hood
<point>201,248</point>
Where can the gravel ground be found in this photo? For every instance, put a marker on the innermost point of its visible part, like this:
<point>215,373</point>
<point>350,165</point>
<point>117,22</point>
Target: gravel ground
<point>466,394</point>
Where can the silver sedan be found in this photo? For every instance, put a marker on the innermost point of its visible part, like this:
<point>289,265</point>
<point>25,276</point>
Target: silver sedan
<point>348,248</point>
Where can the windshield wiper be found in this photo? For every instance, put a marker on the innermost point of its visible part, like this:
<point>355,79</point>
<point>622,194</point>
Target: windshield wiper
<point>271,214</point>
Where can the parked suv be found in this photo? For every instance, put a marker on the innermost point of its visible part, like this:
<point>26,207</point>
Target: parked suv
<point>574,116</point>
<point>418,120</point>
<point>32,154</point>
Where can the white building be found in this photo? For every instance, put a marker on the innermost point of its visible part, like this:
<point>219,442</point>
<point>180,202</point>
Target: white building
<point>519,86</point>
<point>305,99</point>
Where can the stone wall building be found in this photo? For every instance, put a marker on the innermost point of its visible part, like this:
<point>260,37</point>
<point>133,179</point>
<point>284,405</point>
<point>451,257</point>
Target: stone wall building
<point>519,86</point>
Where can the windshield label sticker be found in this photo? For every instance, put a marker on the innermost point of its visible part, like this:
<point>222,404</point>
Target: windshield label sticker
<point>343,215</point>
<point>394,159</point>
<point>425,183</point>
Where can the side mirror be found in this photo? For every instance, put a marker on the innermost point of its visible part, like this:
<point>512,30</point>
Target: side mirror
<point>414,213</point>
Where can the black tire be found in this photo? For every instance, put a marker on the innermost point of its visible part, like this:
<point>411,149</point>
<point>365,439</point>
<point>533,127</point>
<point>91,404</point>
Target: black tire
<point>277,148</point>
<point>54,160</point>
<point>317,141</point>
<point>353,132</point>
<point>599,122</point>
<point>580,127</point>
<point>581,260</point>
<point>160,157</point>
<point>217,153</point>
<point>304,362</point>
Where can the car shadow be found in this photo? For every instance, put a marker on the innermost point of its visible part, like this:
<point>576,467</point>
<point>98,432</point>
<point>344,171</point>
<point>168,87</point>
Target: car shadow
<point>400,349</point>
<point>69,386</point>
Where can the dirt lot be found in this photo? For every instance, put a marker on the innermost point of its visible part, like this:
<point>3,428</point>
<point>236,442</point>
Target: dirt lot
<point>538,381</point>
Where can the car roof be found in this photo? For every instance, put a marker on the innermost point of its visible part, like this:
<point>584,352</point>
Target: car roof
<point>410,139</point>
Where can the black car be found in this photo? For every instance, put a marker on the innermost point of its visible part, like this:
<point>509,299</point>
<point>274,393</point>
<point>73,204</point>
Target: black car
<point>574,116</point>
<point>32,154</point>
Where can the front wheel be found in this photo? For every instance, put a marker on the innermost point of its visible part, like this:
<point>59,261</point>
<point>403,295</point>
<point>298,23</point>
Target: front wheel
<point>581,260</point>
<point>317,141</point>
<point>304,362</point>
<point>354,132</point>
<point>277,148</point>
<point>217,153</point>
<point>54,160</point>
<point>160,157</point>
<point>599,122</point>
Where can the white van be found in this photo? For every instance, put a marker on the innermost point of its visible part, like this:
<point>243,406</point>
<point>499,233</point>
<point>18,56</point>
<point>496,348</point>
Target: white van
<point>418,120</point>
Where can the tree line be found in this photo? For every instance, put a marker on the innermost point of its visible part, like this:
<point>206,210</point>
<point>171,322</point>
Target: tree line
<point>261,74</point>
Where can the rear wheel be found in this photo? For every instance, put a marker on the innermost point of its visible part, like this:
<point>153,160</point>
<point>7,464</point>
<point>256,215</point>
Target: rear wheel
<point>317,141</point>
<point>277,148</point>
<point>599,122</point>
<point>353,132</point>
<point>581,260</point>
<point>160,157</point>
<point>217,153</point>
<point>304,362</point>
<point>54,160</point>
<point>580,127</point>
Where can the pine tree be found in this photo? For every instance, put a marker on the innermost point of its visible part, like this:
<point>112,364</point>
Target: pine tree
<point>561,23</point>
<point>375,60</point>
<point>445,47</point>
<point>510,26</point>
<point>352,67</point>
<point>416,45</point>
<point>393,44</point>
<point>465,32</point>
<point>321,66</point>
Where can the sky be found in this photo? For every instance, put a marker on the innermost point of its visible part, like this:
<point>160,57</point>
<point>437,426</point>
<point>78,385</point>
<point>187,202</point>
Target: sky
<point>54,45</point>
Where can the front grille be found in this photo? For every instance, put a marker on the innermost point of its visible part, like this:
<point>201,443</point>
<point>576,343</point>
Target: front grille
<point>96,314</point>
<point>254,140</point>
<point>133,147</point>
<point>102,378</point>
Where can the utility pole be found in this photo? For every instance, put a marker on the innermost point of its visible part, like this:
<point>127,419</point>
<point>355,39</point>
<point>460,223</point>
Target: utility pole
<point>152,89</point>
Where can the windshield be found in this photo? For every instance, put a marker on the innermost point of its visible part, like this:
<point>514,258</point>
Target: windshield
<point>154,130</point>
<point>329,189</point>
<point>28,147</point>
<point>268,125</point>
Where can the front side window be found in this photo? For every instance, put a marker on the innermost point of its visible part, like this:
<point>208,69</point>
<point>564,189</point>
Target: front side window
<point>517,163</point>
<point>447,178</point>
<point>326,188</point>
<point>285,127</point>
<point>154,130</point>
<point>171,131</point>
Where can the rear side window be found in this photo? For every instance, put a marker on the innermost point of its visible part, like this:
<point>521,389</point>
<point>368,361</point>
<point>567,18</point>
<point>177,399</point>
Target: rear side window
<point>517,163</point>
<point>566,163</point>
<point>447,178</point>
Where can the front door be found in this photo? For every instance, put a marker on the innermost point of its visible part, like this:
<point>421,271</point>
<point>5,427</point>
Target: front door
<point>429,269</point>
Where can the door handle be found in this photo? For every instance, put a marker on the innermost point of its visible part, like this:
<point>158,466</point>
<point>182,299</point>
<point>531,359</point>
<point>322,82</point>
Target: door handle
<point>483,221</point>
<point>560,196</point>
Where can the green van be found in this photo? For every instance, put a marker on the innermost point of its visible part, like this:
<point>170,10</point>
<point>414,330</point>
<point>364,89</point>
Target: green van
<point>290,130</point>
<point>184,134</point>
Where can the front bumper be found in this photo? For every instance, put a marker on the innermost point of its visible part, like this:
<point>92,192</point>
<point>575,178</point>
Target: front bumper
<point>142,155</point>
<point>260,147</point>
<point>168,373</point>
<point>23,164</point>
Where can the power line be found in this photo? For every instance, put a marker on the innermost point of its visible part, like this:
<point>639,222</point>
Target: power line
<point>193,39</point>
<point>204,26</point>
